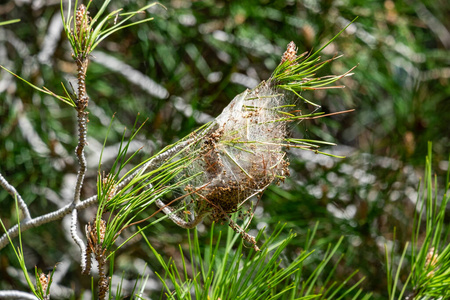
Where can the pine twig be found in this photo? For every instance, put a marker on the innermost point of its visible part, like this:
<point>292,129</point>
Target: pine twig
<point>17,295</point>
<point>82,118</point>
<point>82,60</point>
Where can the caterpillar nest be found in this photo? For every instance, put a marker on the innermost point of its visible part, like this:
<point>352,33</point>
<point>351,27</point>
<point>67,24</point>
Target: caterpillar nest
<point>241,153</point>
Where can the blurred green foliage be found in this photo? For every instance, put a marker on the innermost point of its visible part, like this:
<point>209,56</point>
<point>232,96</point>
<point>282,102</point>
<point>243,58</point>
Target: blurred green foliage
<point>184,67</point>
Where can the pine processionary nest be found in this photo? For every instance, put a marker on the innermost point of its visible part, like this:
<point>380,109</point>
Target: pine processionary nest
<point>240,153</point>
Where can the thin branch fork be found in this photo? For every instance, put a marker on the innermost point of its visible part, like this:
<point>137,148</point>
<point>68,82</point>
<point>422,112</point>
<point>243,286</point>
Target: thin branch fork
<point>53,216</point>
<point>60,213</point>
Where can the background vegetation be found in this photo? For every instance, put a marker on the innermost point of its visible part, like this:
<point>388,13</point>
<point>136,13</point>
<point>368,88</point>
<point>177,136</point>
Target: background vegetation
<point>183,68</point>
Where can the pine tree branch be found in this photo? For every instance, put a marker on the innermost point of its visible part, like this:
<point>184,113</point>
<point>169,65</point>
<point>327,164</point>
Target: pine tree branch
<point>60,213</point>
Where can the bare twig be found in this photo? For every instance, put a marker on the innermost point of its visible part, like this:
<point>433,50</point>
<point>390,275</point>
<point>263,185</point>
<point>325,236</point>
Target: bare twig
<point>17,295</point>
<point>165,208</point>
<point>76,238</point>
<point>12,191</point>
<point>53,216</point>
